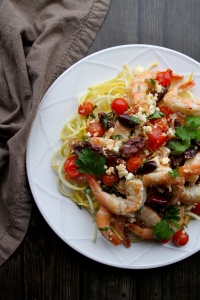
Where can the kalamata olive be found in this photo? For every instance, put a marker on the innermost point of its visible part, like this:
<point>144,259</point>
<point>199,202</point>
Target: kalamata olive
<point>112,160</point>
<point>132,146</point>
<point>105,120</point>
<point>146,168</point>
<point>127,121</point>
<point>190,153</point>
<point>157,199</point>
<point>176,161</point>
<point>79,146</point>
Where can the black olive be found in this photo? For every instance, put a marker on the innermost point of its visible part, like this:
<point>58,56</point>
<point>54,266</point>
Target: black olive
<point>156,199</point>
<point>127,121</point>
<point>146,168</point>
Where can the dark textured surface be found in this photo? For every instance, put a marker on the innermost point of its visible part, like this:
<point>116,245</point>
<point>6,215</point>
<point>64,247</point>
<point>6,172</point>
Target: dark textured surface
<point>44,267</point>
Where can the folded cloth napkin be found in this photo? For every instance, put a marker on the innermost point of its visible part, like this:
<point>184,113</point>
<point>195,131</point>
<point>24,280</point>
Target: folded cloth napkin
<point>38,41</point>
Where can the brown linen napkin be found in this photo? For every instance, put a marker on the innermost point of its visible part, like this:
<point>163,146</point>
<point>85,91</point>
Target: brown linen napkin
<point>38,41</point>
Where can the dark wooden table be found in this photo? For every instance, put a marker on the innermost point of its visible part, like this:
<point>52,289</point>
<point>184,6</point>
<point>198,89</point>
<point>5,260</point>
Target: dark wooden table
<point>44,267</point>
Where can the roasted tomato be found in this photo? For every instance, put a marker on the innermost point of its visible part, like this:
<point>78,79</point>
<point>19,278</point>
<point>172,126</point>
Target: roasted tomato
<point>166,110</point>
<point>70,168</point>
<point>180,238</point>
<point>95,129</point>
<point>85,109</point>
<point>164,78</point>
<point>134,162</point>
<point>156,138</point>
<point>110,179</point>
<point>119,105</point>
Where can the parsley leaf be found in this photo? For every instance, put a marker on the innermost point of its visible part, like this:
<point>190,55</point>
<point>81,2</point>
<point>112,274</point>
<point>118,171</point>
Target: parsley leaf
<point>90,162</point>
<point>153,82</point>
<point>117,136</point>
<point>174,173</point>
<point>156,115</point>
<point>162,229</point>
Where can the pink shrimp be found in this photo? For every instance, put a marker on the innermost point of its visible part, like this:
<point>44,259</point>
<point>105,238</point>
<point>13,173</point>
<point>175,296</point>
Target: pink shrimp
<point>143,233</point>
<point>135,197</point>
<point>103,222</point>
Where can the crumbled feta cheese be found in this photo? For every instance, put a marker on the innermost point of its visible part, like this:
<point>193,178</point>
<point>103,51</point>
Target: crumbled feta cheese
<point>88,134</point>
<point>151,99</point>
<point>171,133</point>
<point>110,171</point>
<point>158,87</point>
<point>146,129</point>
<point>122,171</point>
<point>109,144</point>
<point>165,161</point>
<point>117,146</point>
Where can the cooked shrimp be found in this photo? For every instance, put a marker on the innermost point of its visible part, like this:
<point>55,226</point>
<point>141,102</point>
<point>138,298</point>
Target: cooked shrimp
<point>190,195</point>
<point>190,167</point>
<point>135,197</point>
<point>187,106</point>
<point>138,91</point>
<point>148,216</point>
<point>120,227</point>
<point>143,233</point>
<point>161,178</point>
<point>103,223</point>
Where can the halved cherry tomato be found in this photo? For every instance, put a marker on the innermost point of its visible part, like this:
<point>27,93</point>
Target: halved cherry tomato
<point>156,138</point>
<point>85,109</point>
<point>95,129</point>
<point>162,123</point>
<point>70,168</point>
<point>180,238</point>
<point>196,209</point>
<point>119,105</point>
<point>164,78</point>
<point>133,163</point>
<point>166,110</point>
<point>109,179</point>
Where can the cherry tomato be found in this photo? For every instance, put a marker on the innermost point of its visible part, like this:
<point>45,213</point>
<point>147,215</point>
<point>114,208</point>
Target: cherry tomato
<point>85,109</point>
<point>133,163</point>
<point>164,78</point>
<point>196,209</point>
<point>160,122</point>
<point>156,138</point>
<point>109,179</point>
<point>166,110</point>
<point>165,241</point>
<point>96,129</point>
<point>119,105</point>
<point>70,168</point>
<point>180,238</point>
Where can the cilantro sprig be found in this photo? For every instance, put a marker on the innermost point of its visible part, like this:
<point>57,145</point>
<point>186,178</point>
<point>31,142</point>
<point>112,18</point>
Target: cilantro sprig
<point>90,162</point>
<point>163,229</point>
<point>184,135</point>
<point>174,173</point>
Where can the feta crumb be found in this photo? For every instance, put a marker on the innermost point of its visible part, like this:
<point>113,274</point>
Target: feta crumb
<point>88,134</point>
<point>122,171</point>
<point>110,171</point>
<point>171,133</point>
<point>158,87</point>
<point>165,160</point>
<point>146,129</point>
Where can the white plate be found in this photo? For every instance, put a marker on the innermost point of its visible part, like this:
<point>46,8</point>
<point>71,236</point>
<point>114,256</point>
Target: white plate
<point>72,225</point>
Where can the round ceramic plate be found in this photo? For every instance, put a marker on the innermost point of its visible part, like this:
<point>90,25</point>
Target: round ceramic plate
<point>72,225</point>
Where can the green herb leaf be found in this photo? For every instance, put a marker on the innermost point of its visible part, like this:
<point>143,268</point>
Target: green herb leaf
<point>156,115</point>
<point>90,162</point>
<point>135,119</point>
<point>176,147</point>
<point>117,136</point>
<point>162,229</point>
<point>174,173</point>
<point>153,82</point>
<point>193,122</point>
<point>87,190</point>
<point>103,228</point>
